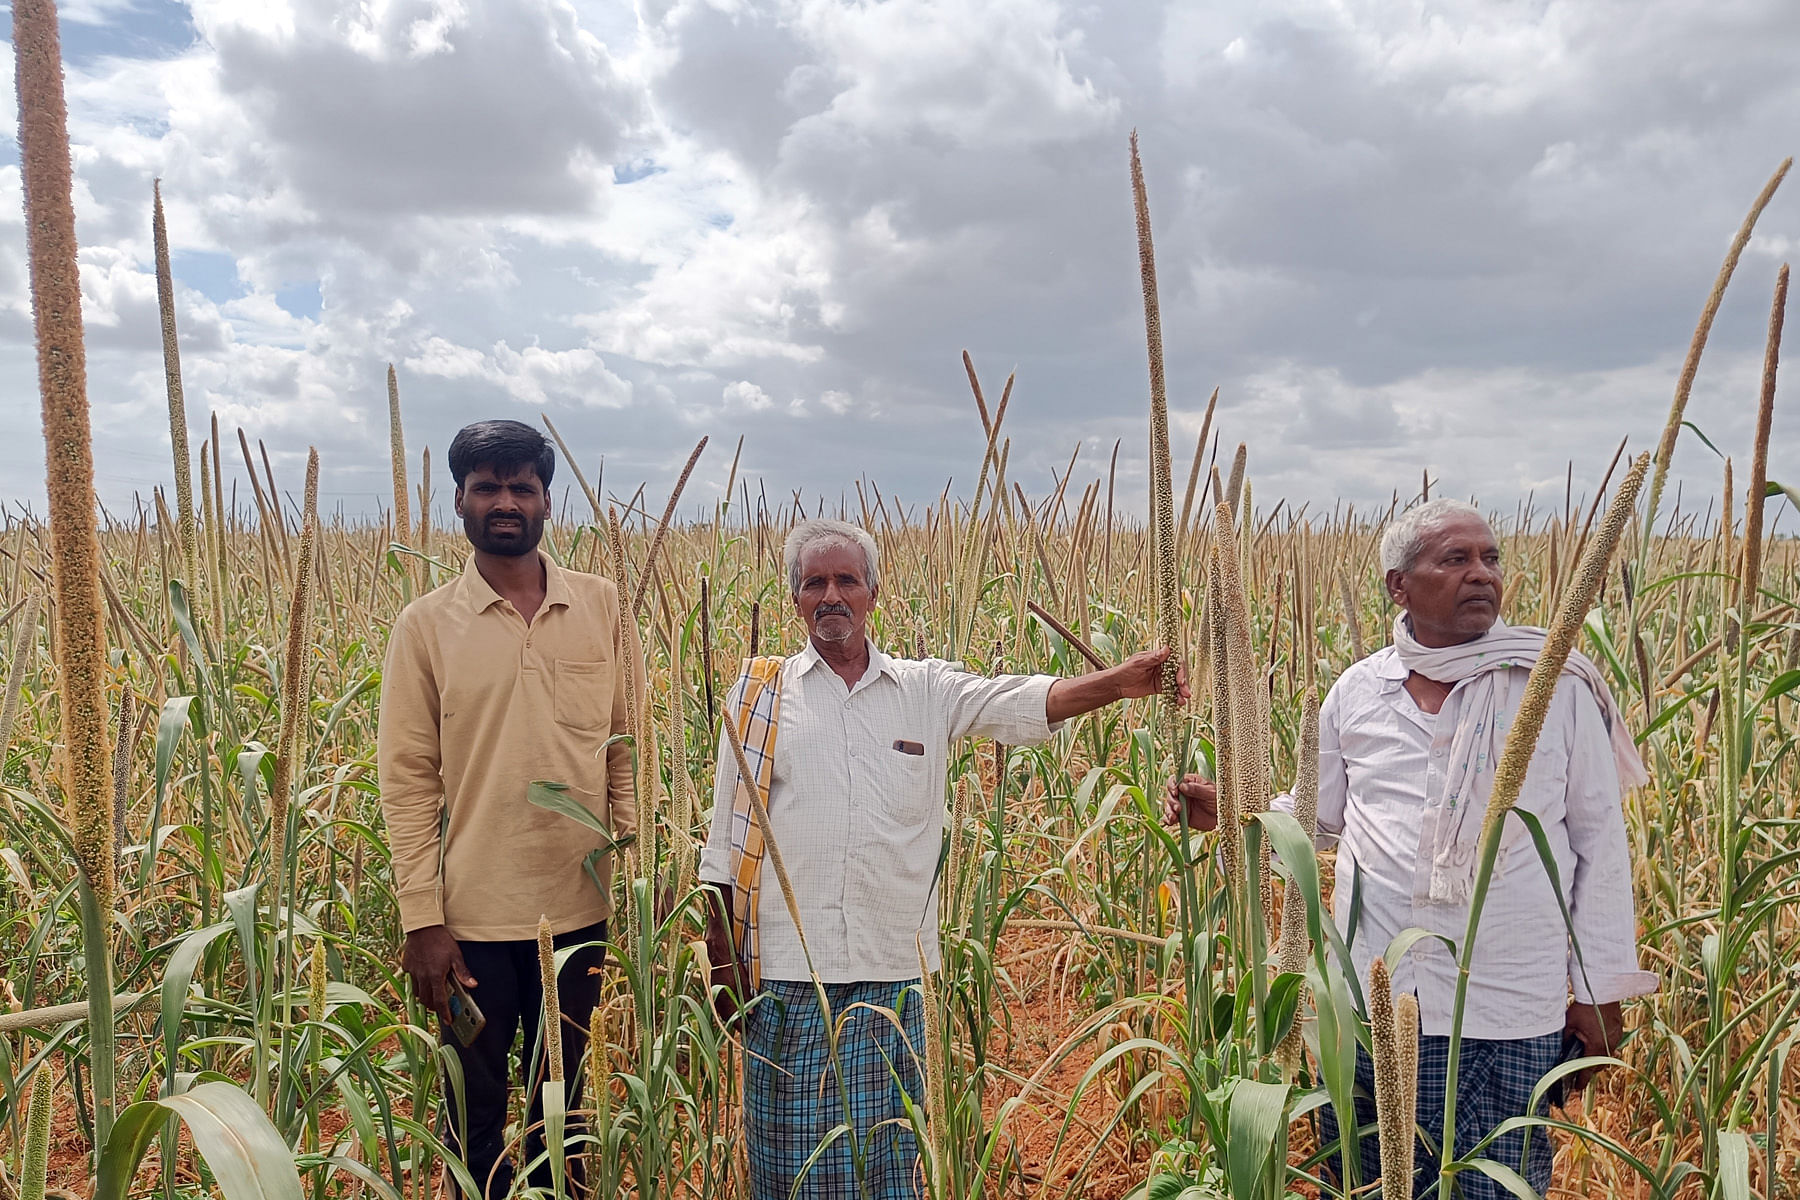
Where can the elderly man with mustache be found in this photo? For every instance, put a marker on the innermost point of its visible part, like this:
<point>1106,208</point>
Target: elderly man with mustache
<point>1408,740</point>
<point>855,787</point>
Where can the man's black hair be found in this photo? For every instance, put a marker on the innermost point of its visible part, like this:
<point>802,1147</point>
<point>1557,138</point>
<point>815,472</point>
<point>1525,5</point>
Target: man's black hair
<point>503,445</point>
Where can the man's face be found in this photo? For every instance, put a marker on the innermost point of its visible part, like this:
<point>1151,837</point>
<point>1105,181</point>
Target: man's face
<point>834,597</point>
<point>503,513</point>
<point>1453,590</point>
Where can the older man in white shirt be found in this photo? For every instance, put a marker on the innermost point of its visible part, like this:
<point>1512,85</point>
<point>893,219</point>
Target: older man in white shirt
<point>855,785</point>
<point>1408,739</point>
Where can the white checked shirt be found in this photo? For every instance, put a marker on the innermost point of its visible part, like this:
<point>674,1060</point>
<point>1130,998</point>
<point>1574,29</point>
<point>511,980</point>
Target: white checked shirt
<point>859,823</point>
<point>1380,755</point>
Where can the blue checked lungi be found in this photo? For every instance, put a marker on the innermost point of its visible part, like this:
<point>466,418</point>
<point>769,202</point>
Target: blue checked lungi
<point>792,1096</point>
<point>1493,1083</point>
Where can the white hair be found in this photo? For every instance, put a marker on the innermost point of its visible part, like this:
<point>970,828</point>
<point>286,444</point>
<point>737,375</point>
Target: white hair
<point>808,534</point>
<point>1405,538</point>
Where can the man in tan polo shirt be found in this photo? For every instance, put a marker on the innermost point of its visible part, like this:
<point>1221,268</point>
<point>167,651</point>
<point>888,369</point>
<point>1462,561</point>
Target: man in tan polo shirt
<point>511,673</point>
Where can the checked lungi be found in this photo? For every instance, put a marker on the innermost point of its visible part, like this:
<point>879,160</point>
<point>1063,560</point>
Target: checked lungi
<point>1493,1083</point>
<point>793,1098</point>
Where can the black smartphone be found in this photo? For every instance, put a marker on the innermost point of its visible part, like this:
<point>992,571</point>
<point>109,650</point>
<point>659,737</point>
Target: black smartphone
<point>1572,1049</point>
<point>466,1021</point>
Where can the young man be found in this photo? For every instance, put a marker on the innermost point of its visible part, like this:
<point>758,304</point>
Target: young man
<point>511,673</point>
<point>855,793</point>
<point>1408,739</point>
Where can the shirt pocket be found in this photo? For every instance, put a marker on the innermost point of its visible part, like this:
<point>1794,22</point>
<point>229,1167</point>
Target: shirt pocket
<point>583,693</point>
<point>906,791</point>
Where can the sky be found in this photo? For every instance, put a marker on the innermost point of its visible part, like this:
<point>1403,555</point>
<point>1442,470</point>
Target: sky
<point>1470,238</point>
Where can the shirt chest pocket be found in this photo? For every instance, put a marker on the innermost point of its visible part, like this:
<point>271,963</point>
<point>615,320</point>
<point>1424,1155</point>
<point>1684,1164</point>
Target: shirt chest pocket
<point>905,789</point>
<point>583,693</point>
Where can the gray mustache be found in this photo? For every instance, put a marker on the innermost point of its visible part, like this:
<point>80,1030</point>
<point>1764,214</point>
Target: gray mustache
<point>831,610</point>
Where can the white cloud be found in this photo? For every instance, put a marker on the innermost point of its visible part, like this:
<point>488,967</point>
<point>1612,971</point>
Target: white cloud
<point>1472,238</point>
<point>532,376</point>
<point>741,393</point>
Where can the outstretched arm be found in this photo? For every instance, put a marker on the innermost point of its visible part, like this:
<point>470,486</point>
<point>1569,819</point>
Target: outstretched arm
<point>1139,675</point>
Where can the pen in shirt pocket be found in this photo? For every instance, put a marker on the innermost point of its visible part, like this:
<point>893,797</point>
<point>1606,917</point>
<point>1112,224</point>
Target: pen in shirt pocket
<point>906,747</point>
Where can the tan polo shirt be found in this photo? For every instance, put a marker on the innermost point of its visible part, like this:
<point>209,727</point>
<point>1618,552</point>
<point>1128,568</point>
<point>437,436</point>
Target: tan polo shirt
<point>475,705</point>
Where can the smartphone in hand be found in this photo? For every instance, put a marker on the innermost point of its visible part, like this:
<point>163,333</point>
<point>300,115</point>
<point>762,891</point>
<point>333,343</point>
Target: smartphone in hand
<point>1560,1091</point>
<point>466,1020</point>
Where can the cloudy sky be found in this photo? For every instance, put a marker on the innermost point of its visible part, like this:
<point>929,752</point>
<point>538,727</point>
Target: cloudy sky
<point>1470,236</point>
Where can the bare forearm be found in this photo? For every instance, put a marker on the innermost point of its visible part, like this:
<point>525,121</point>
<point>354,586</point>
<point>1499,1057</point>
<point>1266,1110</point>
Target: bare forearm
<point>1070,698</point>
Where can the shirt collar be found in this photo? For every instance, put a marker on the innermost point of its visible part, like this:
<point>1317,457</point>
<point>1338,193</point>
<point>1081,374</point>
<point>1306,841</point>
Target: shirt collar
<point>481,596</point>
<point>1389,669</point>
<point>880,663</point>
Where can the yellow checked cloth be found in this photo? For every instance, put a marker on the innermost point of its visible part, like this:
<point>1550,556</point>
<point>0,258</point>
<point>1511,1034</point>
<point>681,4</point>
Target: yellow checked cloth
<point>757,715</point>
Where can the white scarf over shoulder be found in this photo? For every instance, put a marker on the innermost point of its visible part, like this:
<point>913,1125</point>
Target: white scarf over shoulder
<point>1496,665</point>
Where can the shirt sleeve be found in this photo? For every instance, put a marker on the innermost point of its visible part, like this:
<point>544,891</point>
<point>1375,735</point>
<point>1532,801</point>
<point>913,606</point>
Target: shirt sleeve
<point>1013,709</point>
<point>1334,778</point>
<point>621,782</point>
<point>1600,899</point>
<point>409,760</point>
<point>715,860</point>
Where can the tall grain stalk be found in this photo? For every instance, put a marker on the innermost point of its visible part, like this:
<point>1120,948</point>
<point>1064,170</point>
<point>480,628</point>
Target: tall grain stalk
<point>1162,498</point>
<point>178,431</point>
<point>1515,758</point>
<point>1751,578</point>
<point>554,1086</point>
<point>1684,383</point>
<point>35,1168</point>
<point>1295,942</point>
<point>296,698</point>
<point>636,607</point>
<point>25,635</point>
<point>80,635</point>
<point>1394,1121</point>
<point>397,454</point>
<point>424,534</point>
<point>1249,721</point>
<point>1225,745</point>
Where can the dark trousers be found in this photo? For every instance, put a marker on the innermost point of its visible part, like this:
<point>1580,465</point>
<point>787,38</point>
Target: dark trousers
<point>511,997</point>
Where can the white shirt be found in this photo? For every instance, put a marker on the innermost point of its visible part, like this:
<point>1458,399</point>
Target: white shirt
<point>860,823</point>
<point>1380,755</point>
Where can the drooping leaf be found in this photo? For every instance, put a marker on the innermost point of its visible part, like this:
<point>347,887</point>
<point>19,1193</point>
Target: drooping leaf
<point>245,1152</point>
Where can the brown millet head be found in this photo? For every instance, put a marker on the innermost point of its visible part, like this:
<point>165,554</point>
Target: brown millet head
<point>397,452</point>
<point>80,636</point>
<point>552,1002</point>
<point>1395,1124</point>
<point>1534,705</point>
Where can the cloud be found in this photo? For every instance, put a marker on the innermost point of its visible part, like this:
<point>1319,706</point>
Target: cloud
<point>532,376</point>
<point>427,105</point>
<point>741,392</point>
<point>1471,240</point>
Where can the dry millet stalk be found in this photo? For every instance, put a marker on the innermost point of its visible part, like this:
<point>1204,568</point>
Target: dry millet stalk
<point>77,616</point>
<point>1294,944</point>
<point>397,454</point>
<point>25,635</point>
<point>1394,1122</point>
<point>35,1168</point>
<point>1534,705</point>
<point>1225,750</point>
<point>1665,448</point>
<point>296,692</point>
<point>662,529</point>
<point>178,432</point>
<point>600,1067</point>
<point>1162,499</point>
<point>1406,1020</point>
<point>546,948</point>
